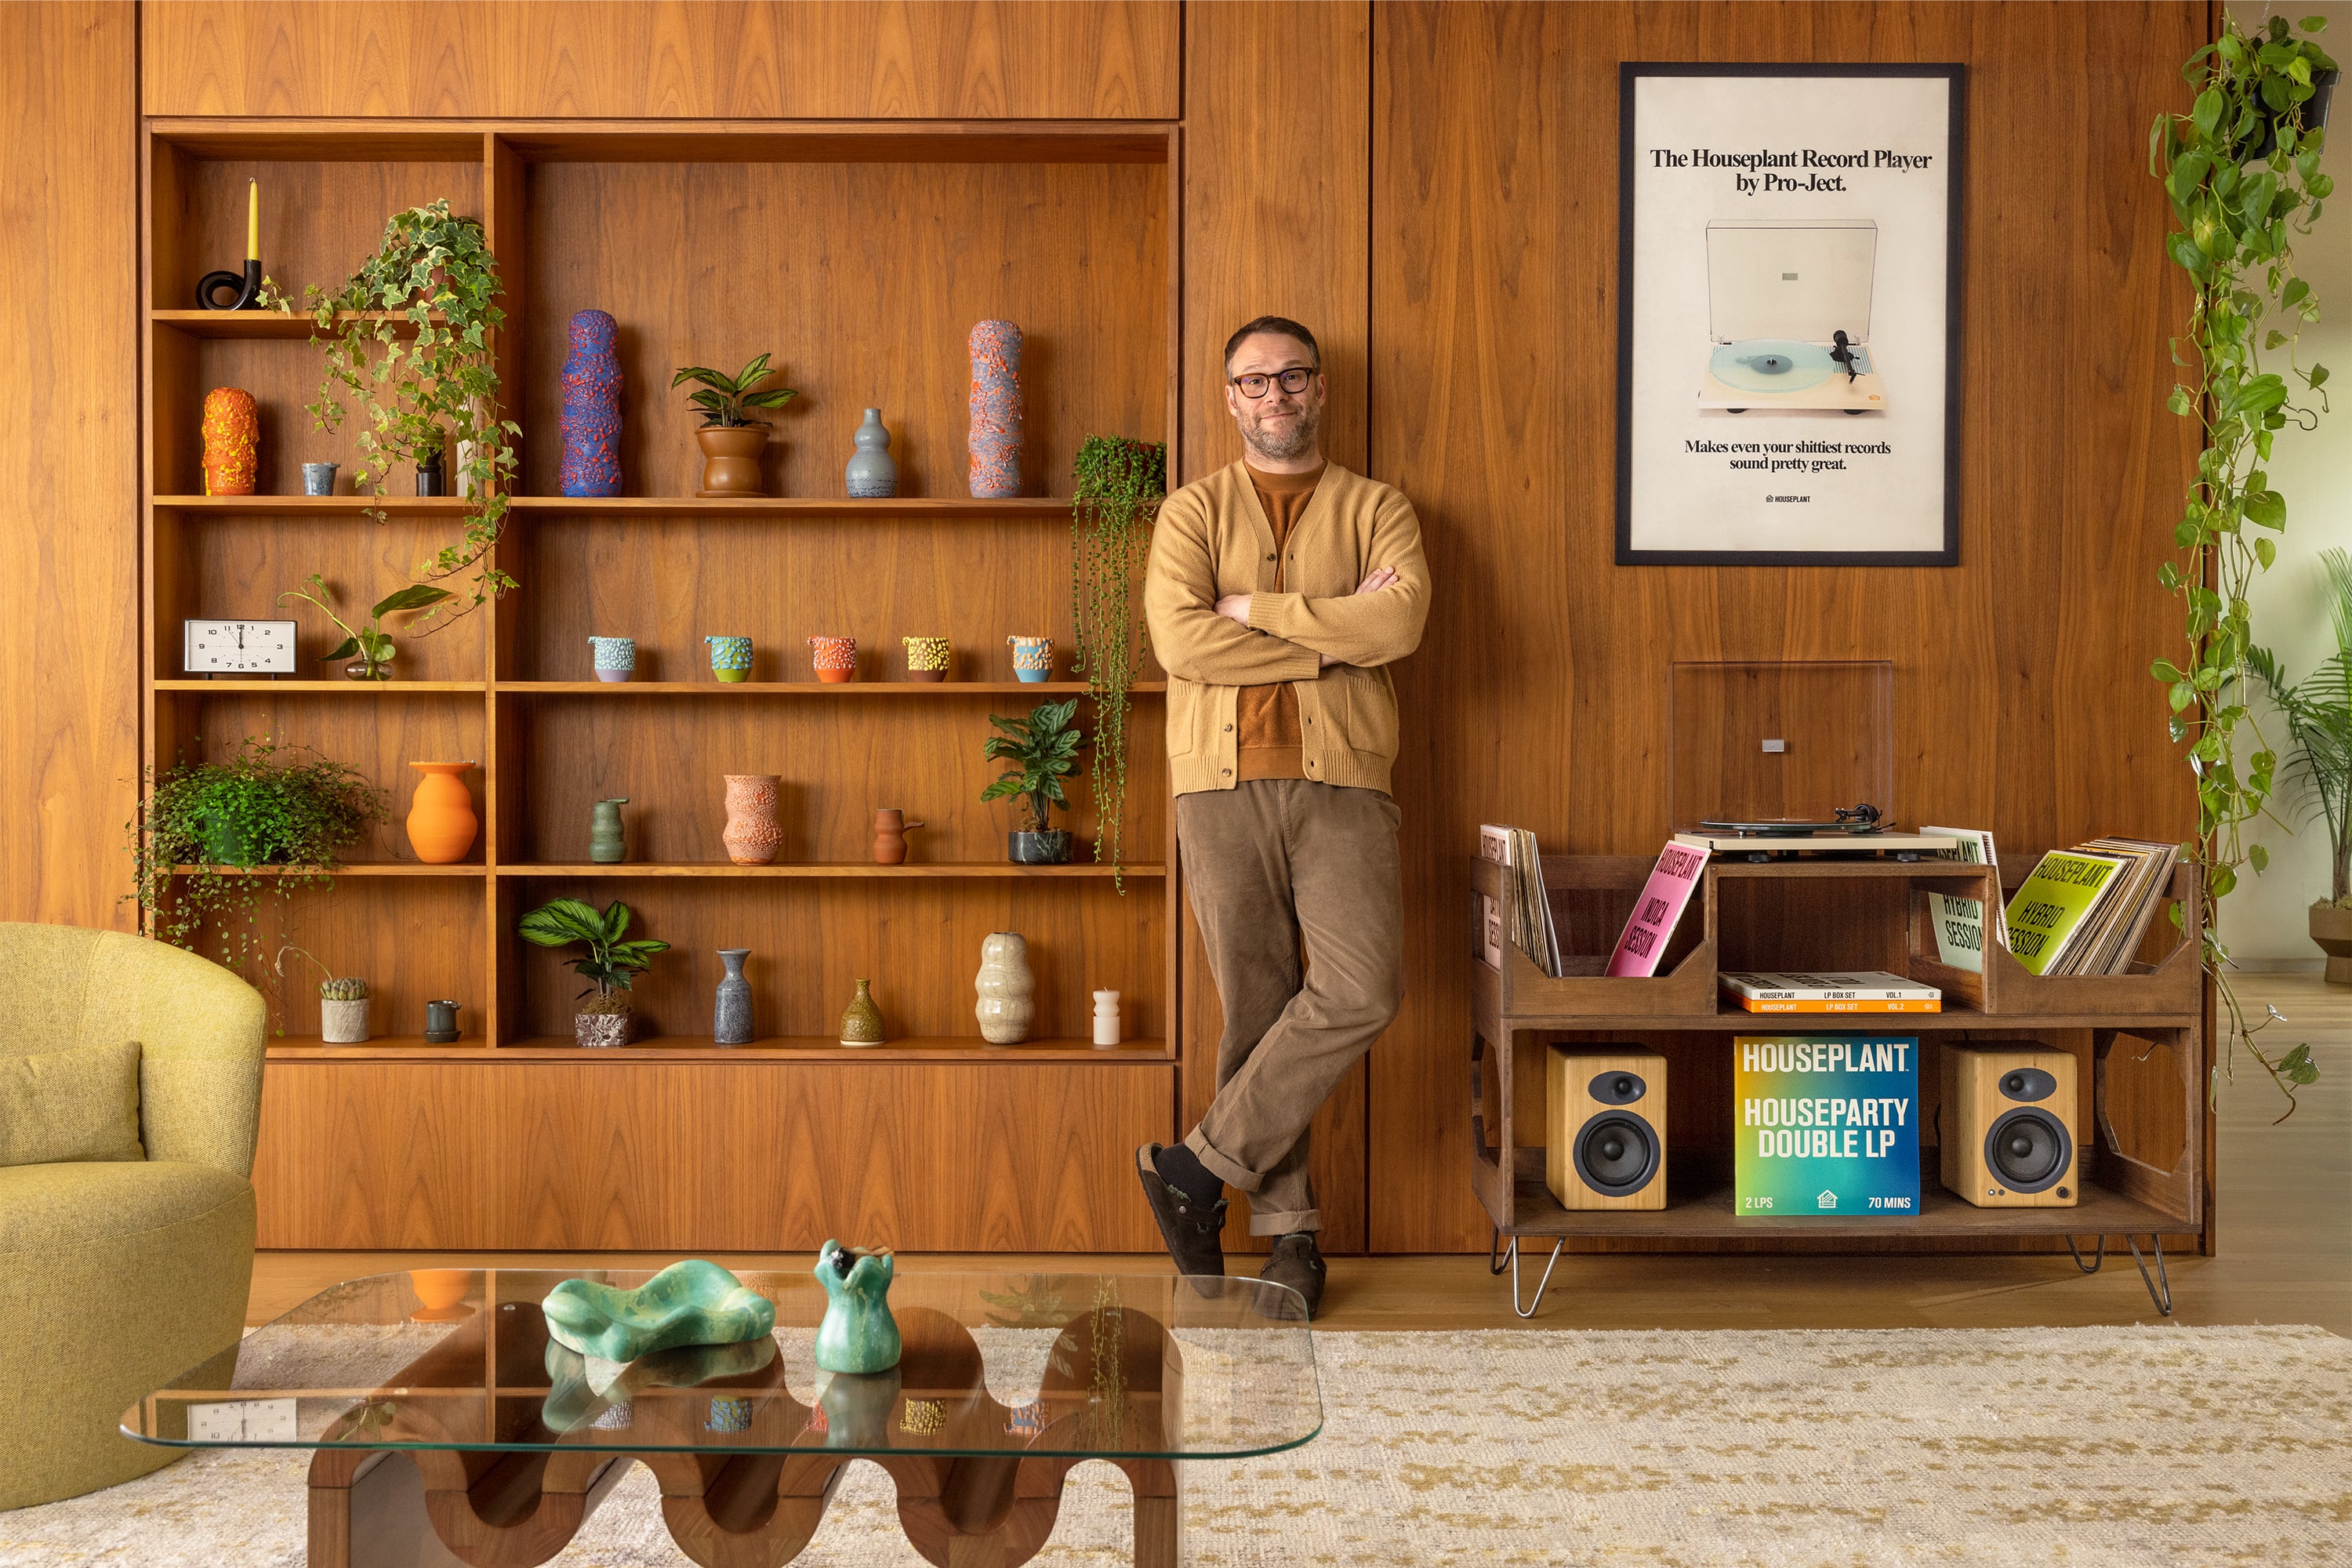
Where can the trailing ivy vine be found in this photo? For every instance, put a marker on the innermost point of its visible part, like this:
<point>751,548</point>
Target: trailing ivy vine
<point>436,383</point>
<point>2241,169</point>
<point>1120,484</point>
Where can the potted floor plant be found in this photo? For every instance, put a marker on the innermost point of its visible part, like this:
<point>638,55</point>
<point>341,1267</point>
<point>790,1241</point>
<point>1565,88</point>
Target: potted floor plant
<point>730,439</point>
<point>609,965</point>
<point>370,648</point>
<point>2318,712</point>
<point>1043,749</point>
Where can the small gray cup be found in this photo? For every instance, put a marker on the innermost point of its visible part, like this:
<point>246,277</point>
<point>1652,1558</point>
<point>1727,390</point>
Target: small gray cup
<point>318,479</point>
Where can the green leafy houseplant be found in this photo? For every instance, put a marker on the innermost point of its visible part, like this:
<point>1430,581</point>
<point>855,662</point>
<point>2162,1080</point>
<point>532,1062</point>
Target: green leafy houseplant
<point>611,963</point>
<point>1043,748</point>
<point>2241,171</point>
<point>434,274</point>
<point>1120,484</point>
<point>726,401</point>
<point>2318,713</point>
<point>370,644</point>
<point>203,826</point>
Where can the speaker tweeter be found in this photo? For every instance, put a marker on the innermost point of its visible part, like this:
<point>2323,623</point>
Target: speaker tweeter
<point>1606,1147</point>
<point>2008,1125</point>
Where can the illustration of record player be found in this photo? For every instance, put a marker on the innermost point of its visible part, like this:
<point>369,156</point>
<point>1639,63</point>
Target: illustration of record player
<point>1789,315</point>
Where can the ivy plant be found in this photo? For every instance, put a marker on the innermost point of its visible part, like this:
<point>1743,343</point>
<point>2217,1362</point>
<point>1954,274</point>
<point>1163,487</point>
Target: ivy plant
<point>206,827</point>
<point>2241,171</point>
<point>408,337</point>
<point>1120,484</point>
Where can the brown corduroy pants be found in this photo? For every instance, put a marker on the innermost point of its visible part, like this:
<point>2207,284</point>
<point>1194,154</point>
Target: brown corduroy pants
<point>1270,864</point>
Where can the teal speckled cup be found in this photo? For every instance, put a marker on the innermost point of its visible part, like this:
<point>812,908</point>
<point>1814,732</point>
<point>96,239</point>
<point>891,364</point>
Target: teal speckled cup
<point>730,657</point>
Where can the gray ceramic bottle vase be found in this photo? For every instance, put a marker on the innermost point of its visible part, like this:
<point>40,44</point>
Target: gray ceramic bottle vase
<point>605,846</point>
<point>730,1021</point>
<point>872,476</point>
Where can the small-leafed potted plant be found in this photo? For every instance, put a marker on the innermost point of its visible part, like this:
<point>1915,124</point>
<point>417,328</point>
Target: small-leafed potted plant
<point>731,440</point>
<point>343,1002</point>
<point>370,648</point>
<point>610,965</point>
<point>2318,712</point>
<point>1043,749</point>
<point>204,827</point>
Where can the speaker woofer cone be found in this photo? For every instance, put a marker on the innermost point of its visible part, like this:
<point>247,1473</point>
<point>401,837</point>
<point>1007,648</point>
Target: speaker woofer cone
<point>1616,1154</point>
<point>2027,1150</point>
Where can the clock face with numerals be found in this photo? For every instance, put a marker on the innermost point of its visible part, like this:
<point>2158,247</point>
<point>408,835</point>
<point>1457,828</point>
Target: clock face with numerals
<point>249,648</point>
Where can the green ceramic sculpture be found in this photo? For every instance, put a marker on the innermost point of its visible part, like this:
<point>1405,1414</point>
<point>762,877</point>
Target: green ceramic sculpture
<point>858,1334</point>
<point>581,1388</point>
<point>688,1303</point>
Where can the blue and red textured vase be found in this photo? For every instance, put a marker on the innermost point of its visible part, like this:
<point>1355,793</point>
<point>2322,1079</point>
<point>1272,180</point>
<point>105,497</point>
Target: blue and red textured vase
<point>995,439</point>
<point>592,408</point>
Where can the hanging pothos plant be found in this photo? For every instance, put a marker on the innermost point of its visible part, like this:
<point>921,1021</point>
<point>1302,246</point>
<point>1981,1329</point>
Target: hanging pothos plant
<point>422,387</point>
<point>2241,168</point>
<point>1120,484</point>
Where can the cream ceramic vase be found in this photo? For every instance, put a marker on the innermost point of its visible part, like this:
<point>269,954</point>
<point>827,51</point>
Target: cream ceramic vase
<point>1007,1005</point>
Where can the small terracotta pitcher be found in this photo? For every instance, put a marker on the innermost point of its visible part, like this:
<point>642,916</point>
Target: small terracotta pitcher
<point>890,830</point>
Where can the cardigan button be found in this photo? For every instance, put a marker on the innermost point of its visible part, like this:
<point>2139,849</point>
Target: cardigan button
<point>1269,558</point>
<point>1229,729</point>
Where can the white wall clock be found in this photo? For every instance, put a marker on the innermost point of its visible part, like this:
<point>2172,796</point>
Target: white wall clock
<point>236,647</point>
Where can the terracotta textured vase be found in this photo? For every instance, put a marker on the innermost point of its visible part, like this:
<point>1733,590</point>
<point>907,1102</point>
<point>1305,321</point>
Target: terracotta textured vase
<point>995,438</point>
<point>836,659</point>
<point>890,830</point>
<point>861,1022</point>
<point>928,657</point>
<point>752,836</point>
<point>1007,1005</point>
<point>441,820</point>
<point>232,432</point>
<point>591,464</point>
<point>730,459</point>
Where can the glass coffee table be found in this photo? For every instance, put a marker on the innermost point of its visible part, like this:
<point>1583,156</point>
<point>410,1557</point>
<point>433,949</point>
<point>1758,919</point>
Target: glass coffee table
<point>449,1427</point>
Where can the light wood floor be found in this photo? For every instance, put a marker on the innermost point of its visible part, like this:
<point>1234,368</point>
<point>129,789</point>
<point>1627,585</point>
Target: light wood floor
<point>2286,1219</point>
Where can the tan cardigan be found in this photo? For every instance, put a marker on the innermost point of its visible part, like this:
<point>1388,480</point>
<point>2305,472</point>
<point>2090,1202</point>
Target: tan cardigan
<point>1211,539</point>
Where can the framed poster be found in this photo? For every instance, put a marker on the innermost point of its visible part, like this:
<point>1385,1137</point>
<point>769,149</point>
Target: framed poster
<point>1788,314</point>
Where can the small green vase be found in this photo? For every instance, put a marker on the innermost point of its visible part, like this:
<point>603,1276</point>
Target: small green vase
<point>858,1334</point>
<point>605,844</point>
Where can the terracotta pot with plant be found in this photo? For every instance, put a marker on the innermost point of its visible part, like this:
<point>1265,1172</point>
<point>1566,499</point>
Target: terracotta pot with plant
<point>1043,748</point>
<point>2318,712</point>
<point>610,964</point>
<point>731,440</point>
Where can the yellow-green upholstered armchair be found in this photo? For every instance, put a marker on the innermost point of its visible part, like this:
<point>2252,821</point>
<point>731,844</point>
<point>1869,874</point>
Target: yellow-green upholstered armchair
<point>117,1275</point>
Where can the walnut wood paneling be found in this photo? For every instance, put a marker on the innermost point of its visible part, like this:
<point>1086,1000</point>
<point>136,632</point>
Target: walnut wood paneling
<point>1541,695</point>
<point>70,633</point>
<point>706,1157</point>
<point>920,59</point>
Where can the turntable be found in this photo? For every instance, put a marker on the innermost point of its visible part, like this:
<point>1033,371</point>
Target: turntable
<point>1789,315</point>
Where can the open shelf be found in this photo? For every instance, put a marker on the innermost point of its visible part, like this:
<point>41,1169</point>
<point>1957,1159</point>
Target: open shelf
<point>689,1049</point>
<point>946,508</point>
<point>266,687</point>
<point>321,506</point>
<point>821,868</point>
<point>354,869</point>
<point>911,688</point>
<point>252,324</point>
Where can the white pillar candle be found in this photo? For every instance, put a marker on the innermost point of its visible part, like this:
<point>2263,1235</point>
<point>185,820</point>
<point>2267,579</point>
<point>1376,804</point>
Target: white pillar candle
<point>1105,1018</point>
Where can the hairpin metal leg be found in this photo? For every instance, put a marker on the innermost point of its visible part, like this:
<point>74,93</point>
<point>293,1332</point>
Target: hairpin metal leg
<point>2097,1259</point>
<point>1529,1309</point>
<point>2160,1289</point>
<point>1498,1255</point>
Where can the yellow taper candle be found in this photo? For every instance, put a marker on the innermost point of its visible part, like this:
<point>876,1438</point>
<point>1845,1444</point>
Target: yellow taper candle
<point>253,221</point>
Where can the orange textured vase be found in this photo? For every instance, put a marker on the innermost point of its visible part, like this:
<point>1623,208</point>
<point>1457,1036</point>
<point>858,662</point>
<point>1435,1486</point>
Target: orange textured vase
<point>441,820</point>
<point>752,834</point>
<point>443,1294</point>
<point>232,442</point>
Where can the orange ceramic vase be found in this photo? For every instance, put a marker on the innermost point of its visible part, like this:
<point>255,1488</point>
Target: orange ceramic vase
<point>443,1294</point>
<point>752,836</point>
<point>232,442</point>
<point>441,820</point>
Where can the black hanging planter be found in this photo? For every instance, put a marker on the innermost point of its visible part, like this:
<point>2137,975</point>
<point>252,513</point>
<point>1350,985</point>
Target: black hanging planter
<point>2315,116</point>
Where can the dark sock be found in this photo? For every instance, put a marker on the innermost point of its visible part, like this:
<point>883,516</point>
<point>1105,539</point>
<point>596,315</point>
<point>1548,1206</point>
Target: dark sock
<point>1305,1235</point>
<point>1182,1169</point>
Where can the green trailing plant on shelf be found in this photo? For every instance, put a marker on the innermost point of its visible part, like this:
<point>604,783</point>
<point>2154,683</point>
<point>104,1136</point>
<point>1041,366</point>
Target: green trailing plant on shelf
<point>370,646</point>
<point>1043,748</point>
<point>2241,171</point>
<point>611,963</point>
<point>2318,714</point>
<point>424,388</point>
<point>1120,484</point>
<point>204,827</point>
<point>727,402</point>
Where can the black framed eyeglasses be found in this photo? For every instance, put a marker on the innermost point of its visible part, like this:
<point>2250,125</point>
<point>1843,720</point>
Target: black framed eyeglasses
<point>1294,382</point>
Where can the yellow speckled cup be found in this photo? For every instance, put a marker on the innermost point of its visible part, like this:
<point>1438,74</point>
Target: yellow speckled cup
<point>927,657</point>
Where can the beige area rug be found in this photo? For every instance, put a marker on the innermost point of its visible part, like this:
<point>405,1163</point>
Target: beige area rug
<point>2092,1447</point>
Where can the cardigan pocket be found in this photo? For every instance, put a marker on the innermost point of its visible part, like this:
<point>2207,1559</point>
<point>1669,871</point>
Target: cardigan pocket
<point>1372,713</point>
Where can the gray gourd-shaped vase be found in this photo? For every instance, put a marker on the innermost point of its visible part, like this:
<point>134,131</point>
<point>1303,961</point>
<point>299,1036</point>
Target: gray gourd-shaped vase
<point>871,474</point>
<point>730,1022</point>
<point>858,1334</point>
<point>606,845</point>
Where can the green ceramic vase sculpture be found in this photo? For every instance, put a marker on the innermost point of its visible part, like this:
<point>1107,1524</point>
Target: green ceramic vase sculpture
<point>858,1334</point>
<point>580,1389</point>
<point>688,1303</point>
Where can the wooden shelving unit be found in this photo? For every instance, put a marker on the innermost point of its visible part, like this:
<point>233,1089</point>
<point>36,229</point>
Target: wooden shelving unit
<point>881,244</point>
<point>1833,914</point>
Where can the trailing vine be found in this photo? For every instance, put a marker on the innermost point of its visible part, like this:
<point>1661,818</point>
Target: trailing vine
<point>435,272</point>
<point>1120,484</point>
<point>2242,170</point>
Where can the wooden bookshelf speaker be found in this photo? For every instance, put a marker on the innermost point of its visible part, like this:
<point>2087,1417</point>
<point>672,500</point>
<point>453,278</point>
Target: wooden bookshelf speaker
<point>1606,1145</point>
<point>2008,1125</point>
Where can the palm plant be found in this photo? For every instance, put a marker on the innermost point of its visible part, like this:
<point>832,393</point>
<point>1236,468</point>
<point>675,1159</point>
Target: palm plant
<point>2318,712</point>
<point>611,963</point>
<point>725,400</point>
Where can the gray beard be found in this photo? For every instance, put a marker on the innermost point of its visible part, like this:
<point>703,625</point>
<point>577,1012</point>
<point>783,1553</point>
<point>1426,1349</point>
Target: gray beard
<point>1283,450</point>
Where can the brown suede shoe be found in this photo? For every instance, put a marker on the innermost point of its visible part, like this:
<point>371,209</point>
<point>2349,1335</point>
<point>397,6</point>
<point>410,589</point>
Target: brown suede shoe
<point>1298,1263</point>
<point>1194,1235</point>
